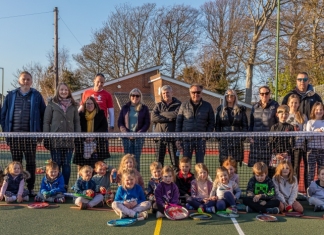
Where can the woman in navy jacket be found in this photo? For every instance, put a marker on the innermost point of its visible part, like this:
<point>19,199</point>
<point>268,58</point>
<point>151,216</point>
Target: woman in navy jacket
<point>134,117</point>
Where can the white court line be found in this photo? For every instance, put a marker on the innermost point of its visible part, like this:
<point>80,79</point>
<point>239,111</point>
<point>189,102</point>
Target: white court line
<point>237,226</point>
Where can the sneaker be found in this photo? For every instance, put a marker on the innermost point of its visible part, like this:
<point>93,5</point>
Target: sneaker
<point>26,198</point>
<point>143,214</point>
<point>159,215</point>
<point>200,210</point>
<point>210,209</point>
<point>231,210</point>
<point>318,208</point>
<point>249,210</point>
<point>189,207</point>
<point>122,215</point>
<point>83,206</point>
<point>32,193</point>
<point>59,200</point>
<point>274,210</point>
<point>10,199</point>
<point>37,199</point>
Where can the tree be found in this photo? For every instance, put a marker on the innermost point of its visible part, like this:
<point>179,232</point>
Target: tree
<point>179,26</point>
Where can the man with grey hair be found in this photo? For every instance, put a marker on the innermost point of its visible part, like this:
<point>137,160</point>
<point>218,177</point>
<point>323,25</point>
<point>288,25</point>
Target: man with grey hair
<point>164,117</point>
<point>195,115</point>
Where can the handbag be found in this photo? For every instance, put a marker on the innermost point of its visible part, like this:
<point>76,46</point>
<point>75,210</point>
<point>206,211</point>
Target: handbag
<point>277,158</point>
<point>89,148</point>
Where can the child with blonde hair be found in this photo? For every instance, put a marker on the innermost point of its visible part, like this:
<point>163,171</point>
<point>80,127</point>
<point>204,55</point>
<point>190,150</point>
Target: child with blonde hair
<point>286,186</point>
<point>130,200</point>
<point>52,187</point>
<point>166,192</point>
<point>156,169</point>
<point>260,192</point>
<point>231,165</point>
<point>14,182</point>
<point>128,162</point>
<point>225,191</point>
<point>200,189</point>
<point>86,186</point>
<point>315,191</point>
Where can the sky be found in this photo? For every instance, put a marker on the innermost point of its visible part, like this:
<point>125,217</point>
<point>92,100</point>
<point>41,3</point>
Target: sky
<point>27,28</point>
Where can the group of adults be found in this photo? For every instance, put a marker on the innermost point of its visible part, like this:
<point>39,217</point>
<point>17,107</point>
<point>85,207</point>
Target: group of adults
<point>24,110</point>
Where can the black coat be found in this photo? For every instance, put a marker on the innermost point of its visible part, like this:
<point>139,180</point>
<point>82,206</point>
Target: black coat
<point>102,152</point>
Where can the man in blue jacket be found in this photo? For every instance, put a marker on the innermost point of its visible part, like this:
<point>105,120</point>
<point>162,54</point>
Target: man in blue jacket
<point>23,110</point>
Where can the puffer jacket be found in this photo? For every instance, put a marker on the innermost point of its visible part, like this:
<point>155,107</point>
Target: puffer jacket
<point>164,117</point>
<point>262,119</point>
<point>56,120</point>
<point>307,100</point>
<point>201,121</point>
<point>240,121</point>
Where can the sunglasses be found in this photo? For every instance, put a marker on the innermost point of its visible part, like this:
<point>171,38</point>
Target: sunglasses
<point>230,96</point>
<point>196,92</point>
<point>302,79</point>
<point>265,93</point>
<point>137,96</point>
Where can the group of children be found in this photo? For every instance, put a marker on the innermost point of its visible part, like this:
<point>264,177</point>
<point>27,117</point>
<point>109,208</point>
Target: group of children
<point>196,191</point>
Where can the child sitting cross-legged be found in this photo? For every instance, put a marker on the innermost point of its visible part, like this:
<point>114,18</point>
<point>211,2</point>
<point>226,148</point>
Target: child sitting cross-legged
<point>200,189</point>
<point>260,191</point>
<point>184,178</point>
<point>52,187</point>
<point>156,169</point>
<point>130,200</point>
<point>13,184</point>
<point>166,192</point>
<point>86,186</point>
<point>225,191</point>
<point>315,191</point>
<point>286,186</point>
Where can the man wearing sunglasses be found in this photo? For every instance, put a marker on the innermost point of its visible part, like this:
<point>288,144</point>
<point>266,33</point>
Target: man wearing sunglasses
<point>195,115</point>
<point>306,94</point>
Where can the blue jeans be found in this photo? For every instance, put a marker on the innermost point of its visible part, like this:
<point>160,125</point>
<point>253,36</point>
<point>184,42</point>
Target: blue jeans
<point>63,157</point>
<point>227,201</point>
<point>134,146</point>
<point>198,145</point>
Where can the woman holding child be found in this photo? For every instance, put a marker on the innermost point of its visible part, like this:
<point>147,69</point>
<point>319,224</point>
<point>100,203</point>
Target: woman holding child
<point>90,150</point>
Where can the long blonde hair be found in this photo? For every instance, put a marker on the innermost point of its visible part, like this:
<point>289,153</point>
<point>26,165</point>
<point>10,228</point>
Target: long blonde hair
<point>10,168</point>
<point>298,116</point>
<point>199,167</point>
<point>122,162</point>
<point>138,107</point>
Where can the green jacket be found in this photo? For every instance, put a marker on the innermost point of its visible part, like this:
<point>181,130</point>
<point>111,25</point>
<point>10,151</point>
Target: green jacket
<point>56,120</point>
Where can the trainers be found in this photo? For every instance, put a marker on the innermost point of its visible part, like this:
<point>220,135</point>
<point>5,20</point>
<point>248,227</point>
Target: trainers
<point>159,215</point>
<point>83,206</point>
<point>122,215</point>
<point>26,198</point>
<point>37,199</point>
<point>200,210</point>
<point>231,210</point>
<point>210,209</point>
<point>59,200</point>
<point>249,210</point>
<point>318,208</point>
<point>10,199</point>
<point>274,210</point>
<point>32,193</point>
<point>189,207</point>
<point>143,214</point>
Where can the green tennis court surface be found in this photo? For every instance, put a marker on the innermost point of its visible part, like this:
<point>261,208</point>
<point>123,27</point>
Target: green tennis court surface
<point>64,220</point>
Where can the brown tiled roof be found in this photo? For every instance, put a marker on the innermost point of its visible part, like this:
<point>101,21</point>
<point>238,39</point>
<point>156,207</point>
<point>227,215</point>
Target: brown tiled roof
<point>122,98</point>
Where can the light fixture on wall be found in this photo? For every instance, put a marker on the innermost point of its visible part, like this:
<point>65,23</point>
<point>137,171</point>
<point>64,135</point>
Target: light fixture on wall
<point>118,86</point>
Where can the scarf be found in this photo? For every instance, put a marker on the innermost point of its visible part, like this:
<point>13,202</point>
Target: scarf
<point>65,103</point>
<point>89,116</point>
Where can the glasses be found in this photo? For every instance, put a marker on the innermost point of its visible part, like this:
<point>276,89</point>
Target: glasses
<point>89,103</point>
<point>195,92</point>
<point>231,96</point>
<point>137,96</point>
<point>302,79</point>
<point>265,93</point>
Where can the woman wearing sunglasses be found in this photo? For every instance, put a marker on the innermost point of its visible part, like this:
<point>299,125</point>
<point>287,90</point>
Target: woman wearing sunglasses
<point>263,116</point>
<point>134,117</point>
<point>231,117</point>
